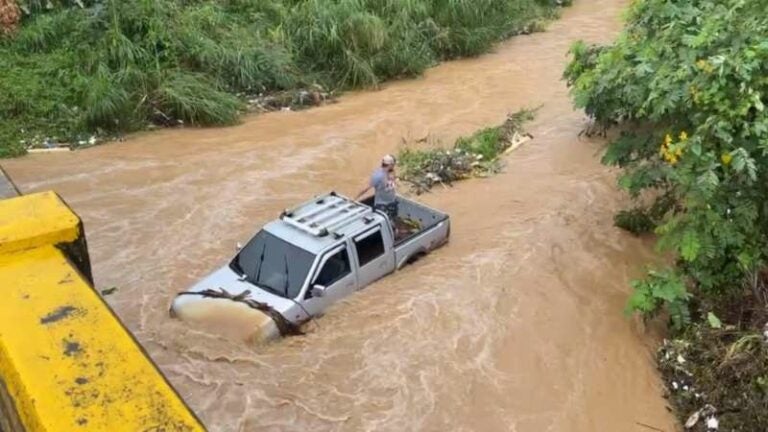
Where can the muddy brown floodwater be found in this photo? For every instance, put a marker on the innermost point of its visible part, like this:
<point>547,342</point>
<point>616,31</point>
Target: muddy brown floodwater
<point>516,325</point>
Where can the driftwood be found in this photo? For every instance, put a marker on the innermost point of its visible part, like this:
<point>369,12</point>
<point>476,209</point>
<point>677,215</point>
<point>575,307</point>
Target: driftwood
<point>49,150</point>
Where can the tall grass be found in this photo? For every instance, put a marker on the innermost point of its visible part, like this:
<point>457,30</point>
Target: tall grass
<point>77,67</point>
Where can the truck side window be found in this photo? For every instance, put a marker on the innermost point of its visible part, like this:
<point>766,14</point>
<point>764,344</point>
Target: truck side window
<point>370,248</point>
<point>334,269</point>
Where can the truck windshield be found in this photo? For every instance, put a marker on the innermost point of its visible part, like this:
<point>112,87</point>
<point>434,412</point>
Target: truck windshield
<point>274,264</point>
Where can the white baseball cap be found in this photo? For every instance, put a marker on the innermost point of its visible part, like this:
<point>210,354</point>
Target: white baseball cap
<point>388,160</point>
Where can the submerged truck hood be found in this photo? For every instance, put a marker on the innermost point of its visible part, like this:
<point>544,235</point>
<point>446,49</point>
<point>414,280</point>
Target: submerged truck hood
<point>231,318</point>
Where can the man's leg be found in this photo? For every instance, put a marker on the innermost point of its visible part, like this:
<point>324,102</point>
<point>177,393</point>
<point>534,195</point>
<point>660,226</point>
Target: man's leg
<point>392,210</point>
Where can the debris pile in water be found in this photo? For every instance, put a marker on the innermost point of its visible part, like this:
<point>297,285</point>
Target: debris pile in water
<point>716,375</point>
<point>474,156</point>
<point>37,144</point>
<point>290,100</point>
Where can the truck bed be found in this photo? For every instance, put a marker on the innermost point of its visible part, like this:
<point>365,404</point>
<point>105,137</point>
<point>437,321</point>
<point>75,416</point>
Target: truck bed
<point>418,230</point>
<point>423,215</point>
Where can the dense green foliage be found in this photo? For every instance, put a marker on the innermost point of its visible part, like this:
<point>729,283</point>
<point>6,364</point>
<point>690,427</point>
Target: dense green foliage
<point>79,66</point>
<point>686,81</point>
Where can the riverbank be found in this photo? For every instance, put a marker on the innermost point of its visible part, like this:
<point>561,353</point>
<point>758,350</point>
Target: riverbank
<point>716,371</point>
<point>77,75</point>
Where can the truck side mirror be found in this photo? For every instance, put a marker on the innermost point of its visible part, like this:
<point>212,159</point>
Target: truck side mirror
<point>318,291</point>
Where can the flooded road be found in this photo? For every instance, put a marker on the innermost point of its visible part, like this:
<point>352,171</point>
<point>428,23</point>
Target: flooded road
<point>516,325</point>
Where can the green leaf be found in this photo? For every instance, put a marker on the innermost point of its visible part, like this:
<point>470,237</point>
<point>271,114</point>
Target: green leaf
<point>696,148</point>
<point>758,103</point>
<point>625,181</point>
<point>751,169</point>
<point>746,260</point>
<point>714,321</point>
<point>739,162</point>
<point>679,313</point>
<point>641,301</point>
<point>690,246</point>
<point>667,290</point>
<point>742,160</point>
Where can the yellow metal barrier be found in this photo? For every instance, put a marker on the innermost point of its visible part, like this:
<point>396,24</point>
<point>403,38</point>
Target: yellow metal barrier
<point>66,361</point>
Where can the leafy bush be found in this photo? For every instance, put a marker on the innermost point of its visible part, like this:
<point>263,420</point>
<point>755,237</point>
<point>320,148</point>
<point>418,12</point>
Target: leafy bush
<point>686,80</point>
<point>661,290</point>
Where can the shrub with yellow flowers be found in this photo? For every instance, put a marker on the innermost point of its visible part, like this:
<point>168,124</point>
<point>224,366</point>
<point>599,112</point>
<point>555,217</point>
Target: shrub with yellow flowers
<point>690,103</point>
<point>686,82</point>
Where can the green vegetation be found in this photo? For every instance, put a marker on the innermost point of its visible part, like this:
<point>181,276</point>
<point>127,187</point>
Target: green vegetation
<point>79,67</point>
<point>473,156</point>
<point>686,82</point>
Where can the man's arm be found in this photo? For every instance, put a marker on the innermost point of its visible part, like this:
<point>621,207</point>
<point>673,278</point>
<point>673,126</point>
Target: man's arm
<point>363,192</point>
<point>370,185</point>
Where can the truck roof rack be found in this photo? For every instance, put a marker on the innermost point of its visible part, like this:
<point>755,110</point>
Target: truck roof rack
<point>325,214</point>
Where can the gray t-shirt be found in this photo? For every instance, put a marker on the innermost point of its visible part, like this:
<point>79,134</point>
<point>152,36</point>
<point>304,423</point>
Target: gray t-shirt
<point>384,186</point>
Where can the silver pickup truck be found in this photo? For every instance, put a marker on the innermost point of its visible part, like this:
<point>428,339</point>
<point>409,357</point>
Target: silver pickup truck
<point>311,257</point>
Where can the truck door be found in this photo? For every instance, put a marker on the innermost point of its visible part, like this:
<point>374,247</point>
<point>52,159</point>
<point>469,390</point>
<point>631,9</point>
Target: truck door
<point>374,258</point>
<point>335,278</point>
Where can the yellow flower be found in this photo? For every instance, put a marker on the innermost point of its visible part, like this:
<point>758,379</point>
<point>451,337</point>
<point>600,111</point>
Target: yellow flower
<point>726,158</point>
<point>679,152</point>
<point>683,136</point>
<point>668,140</point>
<point>673,160</point>
<point>705,66</point>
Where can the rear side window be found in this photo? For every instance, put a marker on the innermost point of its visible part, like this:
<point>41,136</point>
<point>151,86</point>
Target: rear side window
<point>370,248</point>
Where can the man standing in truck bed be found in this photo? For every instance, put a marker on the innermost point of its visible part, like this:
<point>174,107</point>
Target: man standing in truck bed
<point>383,182</point>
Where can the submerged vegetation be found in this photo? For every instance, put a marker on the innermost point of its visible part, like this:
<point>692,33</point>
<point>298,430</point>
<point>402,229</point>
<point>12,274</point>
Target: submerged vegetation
<point>473,156</point>
<point>72,68</point>
<point>686,82</point>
